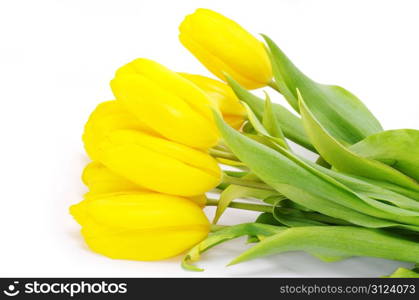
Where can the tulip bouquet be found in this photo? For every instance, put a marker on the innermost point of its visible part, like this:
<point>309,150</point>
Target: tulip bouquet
<point>161,146</point>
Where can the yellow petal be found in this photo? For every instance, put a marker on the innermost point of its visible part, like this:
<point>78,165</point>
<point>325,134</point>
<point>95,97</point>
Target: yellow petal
<point>201,200</point>
<point>158,164</point>
<point>166,102</point>
<point>228,103</point>
<point>223,46</point>
<point>102,182</point>
<point>108,116</point>
<point>145,226</point>
<point>100,179</point>
<point>171,82</point>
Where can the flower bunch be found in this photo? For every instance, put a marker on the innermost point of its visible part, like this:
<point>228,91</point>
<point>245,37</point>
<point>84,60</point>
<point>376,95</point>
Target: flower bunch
<point>159,147</point>
<point>149,149</point>
<point>151,164</point>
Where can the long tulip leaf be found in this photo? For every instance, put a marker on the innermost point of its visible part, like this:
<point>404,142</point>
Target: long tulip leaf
<point>345,160</point>
<point>290,124</point>
<point>223,235</point>
<point>314,218</point>
<point>302,184</point>
<point>392,187</point>
<point>271,123</point>
<point>260,128</point>
<point>404,273</point>
<point>293,218</point>
<point>397,148</point>
<point>368,189</point>
<point>393,213</point>
<point>263,218</point>
<point>267,218</point>
<point>344,116</point>
<point>233,192</point>
<point>336,241</point>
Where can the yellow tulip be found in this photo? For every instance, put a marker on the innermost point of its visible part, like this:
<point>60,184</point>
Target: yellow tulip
<point>166,102</point>
<point>229,105</point>
<point>142,226</point>
<point>107,116</point>
<point>158,164</point>
<point>100,180</point>
<point>223,46</point>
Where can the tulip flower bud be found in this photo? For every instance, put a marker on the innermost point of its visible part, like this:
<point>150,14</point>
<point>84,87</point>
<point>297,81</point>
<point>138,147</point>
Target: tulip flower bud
<point>107,116</point>
<point>223,46</point>
<point>233,112</point>
<point>100,180</point>
<point>142,226</point>
<point>158,164</point>
<point>167,103</point>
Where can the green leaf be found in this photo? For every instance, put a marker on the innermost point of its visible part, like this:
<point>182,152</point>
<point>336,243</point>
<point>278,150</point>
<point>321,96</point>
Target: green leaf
<point>403,273</point>
<point>343,159</point>
<point>335,241</point>
<point>320,161</point>
<point>261,130</point>
<point>343,115</point>
<point>263,218</point>
<point>305,185</point>
<point>396,148</point>
<point>234,192</point>
<point>223,235</point>
<point>304,218</point>
<point>271,123</point>
<point>267,218</point>
<point>375,191</point>
<point>263,140</point>
<point>256,124</point>
<point>248,128</point>
<point>392,187</point>
<point>290,123</point>
<point>293,218</point>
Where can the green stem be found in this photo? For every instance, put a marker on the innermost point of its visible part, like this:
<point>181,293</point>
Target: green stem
<point>222,144</point>
<point>223,154</point>
<point>286,93</point>
<point>273,85</point>
<point>241,205</point>
<point>247,183</point>
<point>215,227</point>
<point>222,147</point>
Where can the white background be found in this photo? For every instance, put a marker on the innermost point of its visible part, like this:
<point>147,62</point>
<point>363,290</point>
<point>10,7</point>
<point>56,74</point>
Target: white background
<point>56,61</point>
